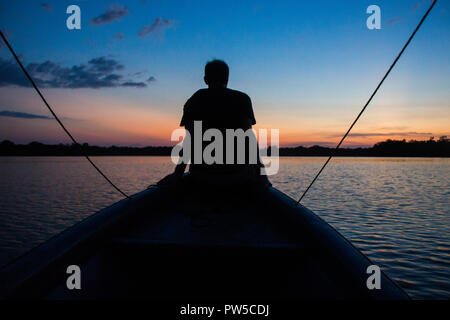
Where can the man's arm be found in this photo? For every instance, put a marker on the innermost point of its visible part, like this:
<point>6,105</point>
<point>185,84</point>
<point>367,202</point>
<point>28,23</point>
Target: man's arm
<point>181,167</point>
<point>175,176</point>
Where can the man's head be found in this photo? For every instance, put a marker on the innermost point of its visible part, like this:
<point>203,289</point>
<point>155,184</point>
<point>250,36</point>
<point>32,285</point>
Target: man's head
<point>216,74</point>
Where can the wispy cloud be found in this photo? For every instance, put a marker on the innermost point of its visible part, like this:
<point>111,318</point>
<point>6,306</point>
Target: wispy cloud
<point>139,73</point>
<point>119,36</point>
<point>158,26</point>
<point>393,21</point>
<point>22,115</point>
<point>47,7</point>
<point>113,12</point>
<point>386,134</point>
<point>134,84</point>
<point>98,73</point>
<point>416,6</point>
<point>151,79</point>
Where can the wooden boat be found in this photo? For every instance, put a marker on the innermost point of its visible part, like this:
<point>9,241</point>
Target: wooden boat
<point>180,244</point>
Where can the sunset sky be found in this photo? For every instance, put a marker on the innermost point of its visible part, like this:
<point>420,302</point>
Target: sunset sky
<point>309,67</point>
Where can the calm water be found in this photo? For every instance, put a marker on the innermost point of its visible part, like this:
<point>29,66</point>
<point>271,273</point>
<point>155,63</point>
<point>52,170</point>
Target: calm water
<point>397,211</point>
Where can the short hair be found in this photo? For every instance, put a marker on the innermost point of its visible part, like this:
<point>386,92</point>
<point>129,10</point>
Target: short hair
<point>216,71</point>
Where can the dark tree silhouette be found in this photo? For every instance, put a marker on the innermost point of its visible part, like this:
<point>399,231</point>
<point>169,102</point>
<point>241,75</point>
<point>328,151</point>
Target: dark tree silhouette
<point>388,148</point>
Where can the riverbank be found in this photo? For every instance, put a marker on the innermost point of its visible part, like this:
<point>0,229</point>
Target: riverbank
<point>390,148</point>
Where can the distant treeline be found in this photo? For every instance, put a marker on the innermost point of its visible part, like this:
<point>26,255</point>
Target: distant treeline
<point>388,148</point>
<point>8,148</point>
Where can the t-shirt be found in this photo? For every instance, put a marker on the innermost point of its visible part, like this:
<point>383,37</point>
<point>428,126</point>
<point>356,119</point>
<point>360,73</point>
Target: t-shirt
<point>218,108</point>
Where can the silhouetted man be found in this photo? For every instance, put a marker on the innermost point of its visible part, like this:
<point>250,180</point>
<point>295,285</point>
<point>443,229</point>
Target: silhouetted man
<point>218,107</point>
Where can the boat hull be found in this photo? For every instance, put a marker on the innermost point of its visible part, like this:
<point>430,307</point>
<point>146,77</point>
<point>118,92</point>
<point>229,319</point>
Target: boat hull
<point>177,244</point>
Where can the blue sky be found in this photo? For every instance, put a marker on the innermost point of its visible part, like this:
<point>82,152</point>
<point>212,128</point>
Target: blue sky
<point>308,66</point>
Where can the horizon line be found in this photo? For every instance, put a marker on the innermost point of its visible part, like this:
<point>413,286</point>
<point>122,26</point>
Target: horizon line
<point>290,146</point>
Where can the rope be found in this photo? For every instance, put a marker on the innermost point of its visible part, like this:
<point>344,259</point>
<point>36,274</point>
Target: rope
<point>57,119</point>
<point>370,99</point>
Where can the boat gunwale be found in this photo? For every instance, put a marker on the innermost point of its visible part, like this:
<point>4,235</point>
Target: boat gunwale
<point>44,254</point>
<point>323,231</point>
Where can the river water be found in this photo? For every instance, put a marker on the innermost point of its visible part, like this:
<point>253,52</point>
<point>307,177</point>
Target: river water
<point>396,210</point>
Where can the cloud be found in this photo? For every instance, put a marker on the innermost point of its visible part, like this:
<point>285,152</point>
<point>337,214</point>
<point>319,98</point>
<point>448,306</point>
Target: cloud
<point>134,84</point>
<point>47,7</point>
<point>22,115</point>
<point>113,13</point>
<point>119,36</point>
<point>104,65</point>
<point>158,26</point>
<point>10,74</point>
<point>139,73</point>
<point>98,73</point>
<point>393,21</point>
<point>378,134</point>
<point>151,79</point>
<point>416,6</point>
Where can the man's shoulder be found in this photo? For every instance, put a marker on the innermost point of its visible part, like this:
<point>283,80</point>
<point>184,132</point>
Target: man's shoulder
<point>198,96</point>
<point>200,92</point>
<point>205,92</point>
<point>239,94</point>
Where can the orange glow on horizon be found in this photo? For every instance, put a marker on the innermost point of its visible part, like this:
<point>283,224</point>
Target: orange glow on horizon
<point>106,120</point>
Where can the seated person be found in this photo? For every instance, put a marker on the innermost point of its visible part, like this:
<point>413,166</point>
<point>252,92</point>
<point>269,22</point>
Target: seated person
<point>220,108</point>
